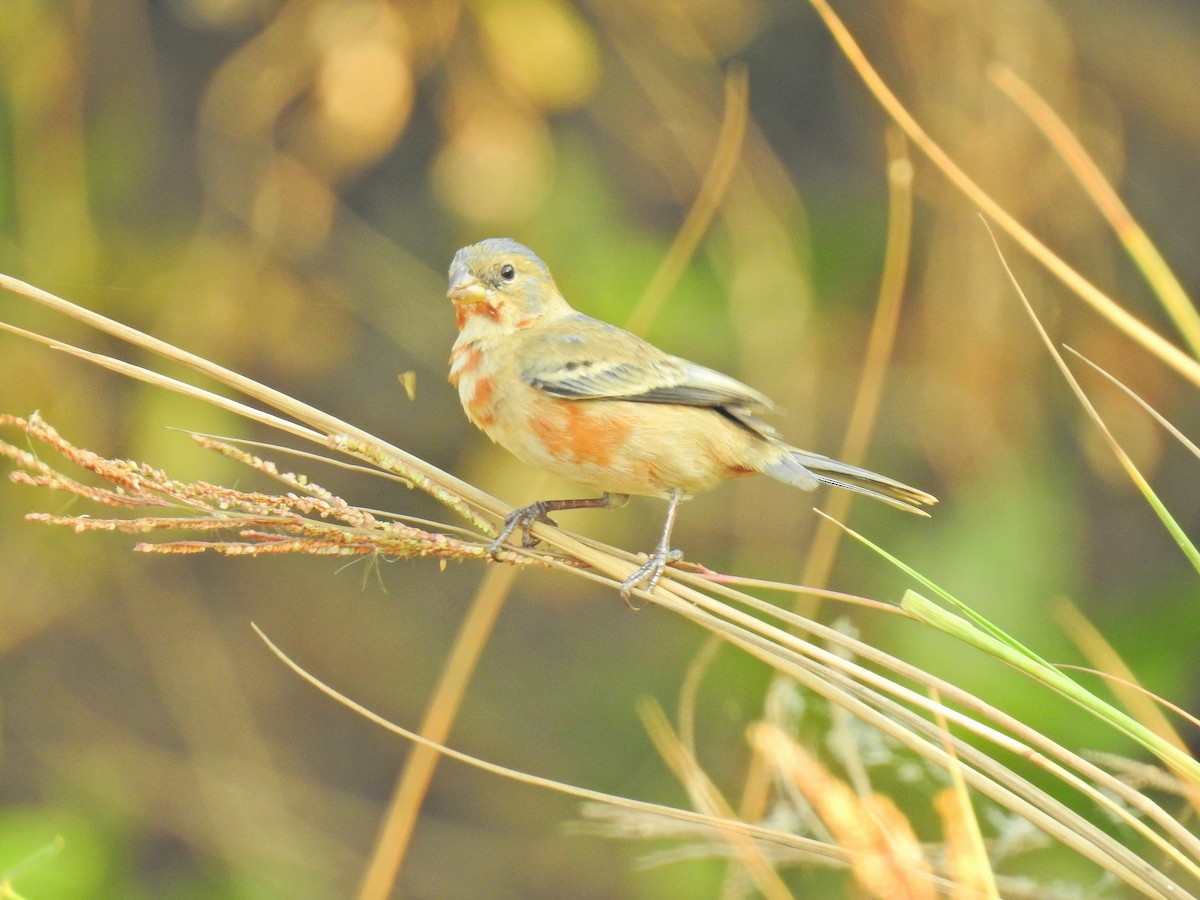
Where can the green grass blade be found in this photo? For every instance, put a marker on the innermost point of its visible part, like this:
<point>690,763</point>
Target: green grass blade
<point>931,614</point>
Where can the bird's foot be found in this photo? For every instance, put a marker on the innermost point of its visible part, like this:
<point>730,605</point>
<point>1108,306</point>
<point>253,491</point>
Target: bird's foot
<point>649,572</point>
<point>523,518</point>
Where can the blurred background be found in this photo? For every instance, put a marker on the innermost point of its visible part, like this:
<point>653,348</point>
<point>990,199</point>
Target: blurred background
<point>280,187</point>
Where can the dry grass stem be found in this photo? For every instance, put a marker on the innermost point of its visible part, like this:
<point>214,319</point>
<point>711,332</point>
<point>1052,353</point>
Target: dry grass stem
<point>309,519</point>
<point>1119,317</point>
<point>1137,243</point>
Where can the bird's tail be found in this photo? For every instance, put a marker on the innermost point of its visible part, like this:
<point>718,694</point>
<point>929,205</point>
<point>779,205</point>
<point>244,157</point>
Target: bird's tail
<point>808,470</point>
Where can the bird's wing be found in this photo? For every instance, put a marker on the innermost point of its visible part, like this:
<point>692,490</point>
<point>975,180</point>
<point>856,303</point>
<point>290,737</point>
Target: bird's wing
<point>580,358</point>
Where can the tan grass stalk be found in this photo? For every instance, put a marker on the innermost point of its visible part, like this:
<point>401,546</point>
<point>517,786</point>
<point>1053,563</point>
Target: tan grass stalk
<point>400,818</point>
<point>877,361</point>
<point>1124,321</point>
<point>1131,234</point>
<point>967,863</point>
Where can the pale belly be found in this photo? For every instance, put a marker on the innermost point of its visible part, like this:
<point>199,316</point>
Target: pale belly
<point>624,447</point>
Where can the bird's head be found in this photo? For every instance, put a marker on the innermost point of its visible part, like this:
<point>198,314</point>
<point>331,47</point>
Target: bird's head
<point>503,281</point>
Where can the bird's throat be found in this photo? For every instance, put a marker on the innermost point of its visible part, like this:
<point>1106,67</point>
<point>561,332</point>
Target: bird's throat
<point>465,314</point>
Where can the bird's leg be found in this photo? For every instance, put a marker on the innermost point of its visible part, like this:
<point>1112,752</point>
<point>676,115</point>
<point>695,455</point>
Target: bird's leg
<point>651,570</point>
<point>524,517</point>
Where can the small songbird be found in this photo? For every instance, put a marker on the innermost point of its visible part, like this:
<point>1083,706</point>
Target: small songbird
<point>604,408</point>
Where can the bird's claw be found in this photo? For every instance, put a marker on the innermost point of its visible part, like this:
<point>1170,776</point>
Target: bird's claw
<point>522,518</point>
<point>649,572</point>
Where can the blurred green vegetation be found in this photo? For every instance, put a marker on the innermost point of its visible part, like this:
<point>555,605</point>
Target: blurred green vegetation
<point>280,186</point>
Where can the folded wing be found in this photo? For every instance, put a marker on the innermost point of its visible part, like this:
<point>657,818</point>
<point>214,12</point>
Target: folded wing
<point>581,358</point>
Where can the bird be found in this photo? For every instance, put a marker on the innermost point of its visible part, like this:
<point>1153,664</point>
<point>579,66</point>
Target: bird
<point>602,407</point>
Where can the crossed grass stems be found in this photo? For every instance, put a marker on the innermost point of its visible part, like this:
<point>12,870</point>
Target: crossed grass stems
<point>874,698</point>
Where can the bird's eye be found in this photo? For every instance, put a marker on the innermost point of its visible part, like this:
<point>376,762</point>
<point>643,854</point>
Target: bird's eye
<point>507,272</point>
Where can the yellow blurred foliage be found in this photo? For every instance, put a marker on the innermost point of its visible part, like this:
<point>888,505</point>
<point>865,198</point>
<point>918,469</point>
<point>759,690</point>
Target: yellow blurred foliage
<point>542,50</point>
<point>497,166</point>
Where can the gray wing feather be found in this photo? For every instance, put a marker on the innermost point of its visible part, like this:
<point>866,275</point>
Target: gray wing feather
<point>565,364</point>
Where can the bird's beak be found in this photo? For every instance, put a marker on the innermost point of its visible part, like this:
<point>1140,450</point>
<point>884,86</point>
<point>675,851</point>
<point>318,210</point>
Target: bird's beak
<point>465,287</point>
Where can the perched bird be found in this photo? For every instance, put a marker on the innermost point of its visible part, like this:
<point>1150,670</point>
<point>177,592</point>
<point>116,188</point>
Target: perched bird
<point>604,408</point>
